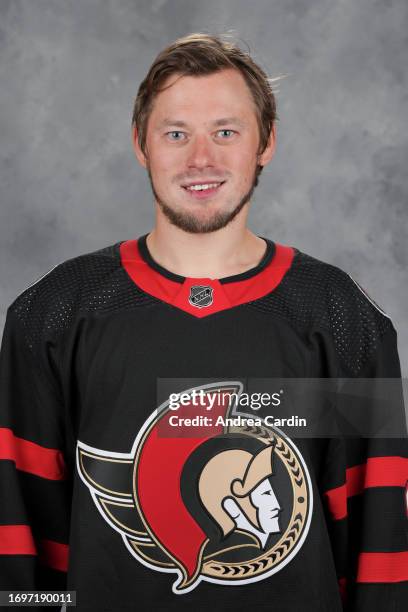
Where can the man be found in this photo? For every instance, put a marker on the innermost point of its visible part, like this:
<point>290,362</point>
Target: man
<point>100,493</point>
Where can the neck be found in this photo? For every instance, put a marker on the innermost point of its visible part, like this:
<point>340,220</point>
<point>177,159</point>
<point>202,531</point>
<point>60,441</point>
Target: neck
<point>226,252</point>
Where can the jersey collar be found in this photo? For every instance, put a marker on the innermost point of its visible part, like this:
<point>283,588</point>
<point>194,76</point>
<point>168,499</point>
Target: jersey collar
<point>201,297</point>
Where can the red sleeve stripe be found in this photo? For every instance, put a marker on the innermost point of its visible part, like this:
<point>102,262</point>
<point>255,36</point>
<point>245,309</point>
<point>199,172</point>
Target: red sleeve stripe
<point>336,500</point>
<point>383,567</point>
<point>377,472</point>
<point>54,554</point>
<point>16,540</point>
<point>343,589</point>
<point>30,457</point>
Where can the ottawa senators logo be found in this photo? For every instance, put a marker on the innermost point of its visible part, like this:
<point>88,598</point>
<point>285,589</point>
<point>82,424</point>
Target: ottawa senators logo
<point>227,504</point>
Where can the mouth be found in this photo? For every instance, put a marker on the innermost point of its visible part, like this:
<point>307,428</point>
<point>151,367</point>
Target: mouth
<point>203,191</point>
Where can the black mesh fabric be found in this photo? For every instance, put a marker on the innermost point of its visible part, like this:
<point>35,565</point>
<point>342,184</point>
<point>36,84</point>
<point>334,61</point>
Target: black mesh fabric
<point>314,294</point>
<point>94,282</point>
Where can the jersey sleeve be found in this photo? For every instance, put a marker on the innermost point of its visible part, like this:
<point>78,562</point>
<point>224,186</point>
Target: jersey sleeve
<point>367,505</point>
<point>35,486</point>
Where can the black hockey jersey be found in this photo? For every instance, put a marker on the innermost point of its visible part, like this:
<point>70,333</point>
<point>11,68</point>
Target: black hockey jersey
<point>133,472</point>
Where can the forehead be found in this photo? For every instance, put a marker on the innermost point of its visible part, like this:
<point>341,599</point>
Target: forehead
<point>263,486</point>
<point>223,93</point>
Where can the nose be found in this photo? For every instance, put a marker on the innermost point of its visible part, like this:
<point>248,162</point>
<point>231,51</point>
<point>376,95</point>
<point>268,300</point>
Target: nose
<point>275,505</point>
<point>201,153</point>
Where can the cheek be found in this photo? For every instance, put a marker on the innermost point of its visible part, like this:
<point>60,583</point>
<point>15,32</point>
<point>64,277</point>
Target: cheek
<point>162,168</point>
<point>161,159</point>
<point>244,164</point>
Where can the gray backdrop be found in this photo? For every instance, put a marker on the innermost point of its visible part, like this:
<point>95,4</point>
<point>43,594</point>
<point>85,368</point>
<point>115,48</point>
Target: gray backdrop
<point>336,189</point>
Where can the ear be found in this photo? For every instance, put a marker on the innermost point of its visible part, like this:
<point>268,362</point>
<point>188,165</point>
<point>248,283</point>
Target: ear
<point>268,153</point>
<point>140,156</point>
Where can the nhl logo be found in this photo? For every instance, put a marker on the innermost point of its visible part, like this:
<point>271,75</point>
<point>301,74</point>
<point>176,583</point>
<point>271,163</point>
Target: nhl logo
<point>201,296</point>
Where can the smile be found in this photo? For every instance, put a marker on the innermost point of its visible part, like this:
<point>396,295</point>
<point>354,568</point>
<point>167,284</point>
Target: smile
<point>203,190</point>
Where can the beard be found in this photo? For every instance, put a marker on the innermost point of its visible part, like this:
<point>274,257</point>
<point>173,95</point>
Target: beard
<point>188,222</point>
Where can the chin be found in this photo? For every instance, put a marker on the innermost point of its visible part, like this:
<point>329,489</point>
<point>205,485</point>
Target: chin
<point>272,526</point>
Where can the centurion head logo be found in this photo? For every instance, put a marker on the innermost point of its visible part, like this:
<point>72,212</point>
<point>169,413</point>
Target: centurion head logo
<point>224,504</point>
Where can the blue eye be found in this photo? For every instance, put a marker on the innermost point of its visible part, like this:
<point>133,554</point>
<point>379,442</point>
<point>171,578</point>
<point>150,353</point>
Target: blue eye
<point>230,131</point>
<point>174,132</point>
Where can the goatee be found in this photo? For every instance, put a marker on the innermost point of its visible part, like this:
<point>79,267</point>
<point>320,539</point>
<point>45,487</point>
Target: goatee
<point>190,223</point>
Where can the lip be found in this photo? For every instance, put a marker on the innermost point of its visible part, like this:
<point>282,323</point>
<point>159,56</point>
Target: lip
<point>206,193</point>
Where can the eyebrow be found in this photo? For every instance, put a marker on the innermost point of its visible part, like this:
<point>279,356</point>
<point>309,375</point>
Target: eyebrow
<point>167,122</point>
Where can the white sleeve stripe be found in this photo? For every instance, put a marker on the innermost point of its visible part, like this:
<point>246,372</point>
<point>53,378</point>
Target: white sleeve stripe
<point>369,299</point>
<point>41,277</point>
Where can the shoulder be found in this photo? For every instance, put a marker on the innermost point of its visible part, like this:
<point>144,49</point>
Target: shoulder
<point>332,293</point>
<point>90,282</point>
<point>353,320</point>
<point>316,296</point>
<point>69,277</point>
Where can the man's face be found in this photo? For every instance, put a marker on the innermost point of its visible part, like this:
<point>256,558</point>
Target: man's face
<point>264,498</point>
<point>203,131</point>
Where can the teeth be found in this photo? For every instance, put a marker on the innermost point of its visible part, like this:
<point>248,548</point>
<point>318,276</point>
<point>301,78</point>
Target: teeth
<point>202,187</point>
